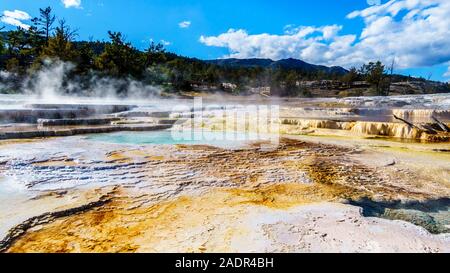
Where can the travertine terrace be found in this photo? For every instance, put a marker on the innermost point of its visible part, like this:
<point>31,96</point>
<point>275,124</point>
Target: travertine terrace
<point>344,177</point>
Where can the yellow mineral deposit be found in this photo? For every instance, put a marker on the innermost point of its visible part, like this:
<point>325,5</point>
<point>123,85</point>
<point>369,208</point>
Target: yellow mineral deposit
<point>327,180</point>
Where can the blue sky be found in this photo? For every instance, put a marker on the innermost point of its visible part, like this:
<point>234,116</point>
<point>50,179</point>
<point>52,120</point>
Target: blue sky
<point>321,31</point>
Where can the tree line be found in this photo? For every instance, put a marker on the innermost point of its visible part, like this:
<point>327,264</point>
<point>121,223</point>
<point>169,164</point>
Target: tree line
<point>49,39</point>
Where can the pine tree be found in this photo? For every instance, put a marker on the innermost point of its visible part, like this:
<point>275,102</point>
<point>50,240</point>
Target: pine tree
<point>374,74</point>
<point>2,50</point>
<point>351,76</point>
<point>60,46</point>
<point>120,58</point>
<point>155,54</point>
<point>44,23</point>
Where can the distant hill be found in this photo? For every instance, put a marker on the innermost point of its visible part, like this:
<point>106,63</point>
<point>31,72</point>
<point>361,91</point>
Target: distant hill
<point>242,62</point>
<point>283,64</point>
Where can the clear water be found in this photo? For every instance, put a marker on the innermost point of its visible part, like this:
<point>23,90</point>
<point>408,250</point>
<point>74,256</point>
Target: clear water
<point>167,137</point>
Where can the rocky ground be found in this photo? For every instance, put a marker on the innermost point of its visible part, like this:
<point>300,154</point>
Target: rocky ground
<point>344,177</point>
<point>76,195</point>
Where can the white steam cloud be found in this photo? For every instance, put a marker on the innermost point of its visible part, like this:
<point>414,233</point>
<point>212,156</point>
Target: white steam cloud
<point>55,83</point>
<point>48,82</point>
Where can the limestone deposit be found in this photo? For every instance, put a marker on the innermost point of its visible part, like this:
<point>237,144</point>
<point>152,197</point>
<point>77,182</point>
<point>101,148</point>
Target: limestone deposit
<point>162,190</point>
<point>332,176</point>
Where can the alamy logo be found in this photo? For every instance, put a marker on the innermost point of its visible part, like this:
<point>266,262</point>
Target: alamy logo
<point>253,123</point>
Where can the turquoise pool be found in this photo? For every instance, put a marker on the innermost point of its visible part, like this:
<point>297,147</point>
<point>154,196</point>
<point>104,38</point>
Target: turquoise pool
<point>166,137</point>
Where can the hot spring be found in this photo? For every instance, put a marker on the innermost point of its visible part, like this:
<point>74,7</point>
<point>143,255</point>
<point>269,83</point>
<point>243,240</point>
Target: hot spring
<point>168,137</point>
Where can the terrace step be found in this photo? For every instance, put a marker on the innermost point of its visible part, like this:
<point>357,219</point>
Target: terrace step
<point>32,115</point>
<point>79,131</point>
<point>95,108</point>
<point>74,122</point>
<point>169,121</point>
<point>143,114</point>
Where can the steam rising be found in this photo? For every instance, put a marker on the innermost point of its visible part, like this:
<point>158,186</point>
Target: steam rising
<point>6,80</point>
<point>57,82</point>
<point>47,84</point>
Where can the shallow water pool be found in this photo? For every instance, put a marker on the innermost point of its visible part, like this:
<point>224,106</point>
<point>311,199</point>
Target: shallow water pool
<point>167,137</point>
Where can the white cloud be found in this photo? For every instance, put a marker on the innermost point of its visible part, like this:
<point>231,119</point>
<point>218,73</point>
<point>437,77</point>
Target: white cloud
<point>416,32</point>
<point>165,43</point>
<point>184,24</point>
<point>373,2</point>
<point>71,3</point>
<point>447,74</point>
<point>17,14</point>
<point>303,42</point>
<point>15,18</point>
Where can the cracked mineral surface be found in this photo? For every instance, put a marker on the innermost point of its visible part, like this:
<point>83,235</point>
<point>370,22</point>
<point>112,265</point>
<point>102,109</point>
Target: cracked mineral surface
<point>340,180</point>
<point>76,195</point>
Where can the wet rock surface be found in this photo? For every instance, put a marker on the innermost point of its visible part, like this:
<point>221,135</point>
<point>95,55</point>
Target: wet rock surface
<point>329,187</point>
<point>74,122</point>
<point>175,198</point>
<point>32,112</point>
<point>62,132</point>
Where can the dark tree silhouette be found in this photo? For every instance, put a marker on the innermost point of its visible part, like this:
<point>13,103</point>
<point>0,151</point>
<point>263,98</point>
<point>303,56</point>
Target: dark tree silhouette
<point>60,46</point>
<point>44,23</point>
